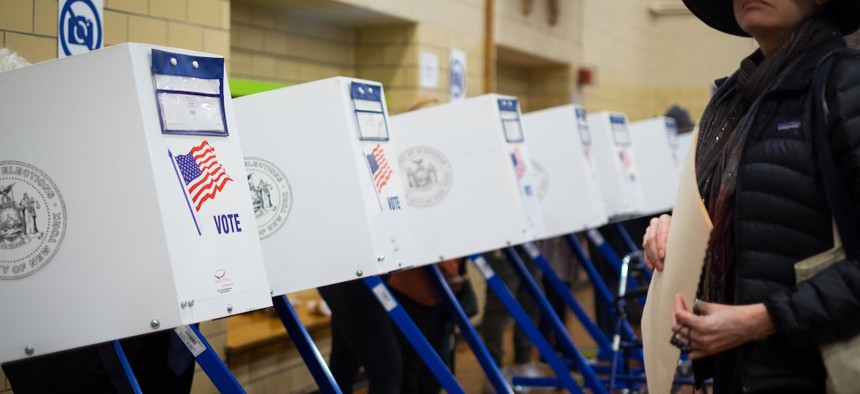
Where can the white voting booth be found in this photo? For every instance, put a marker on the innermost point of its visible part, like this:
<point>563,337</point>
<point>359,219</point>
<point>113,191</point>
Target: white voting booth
<point>122,204</point>
<point>467,176</point>
<point>659,160</point>
<point>566,179</point>
<point>322,168</point>
<point>620,180</point>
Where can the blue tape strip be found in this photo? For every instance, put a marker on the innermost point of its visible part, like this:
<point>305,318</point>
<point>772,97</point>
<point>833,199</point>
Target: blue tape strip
<point>207,67</point>
<point>364,91</point>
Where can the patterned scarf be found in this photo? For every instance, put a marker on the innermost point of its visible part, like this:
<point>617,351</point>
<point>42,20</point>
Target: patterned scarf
<point>724,129</point>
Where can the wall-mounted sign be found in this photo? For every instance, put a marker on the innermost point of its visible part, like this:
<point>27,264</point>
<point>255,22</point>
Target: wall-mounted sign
<point>429,70</point>
<point>80,26</point>
<point>458,75</point>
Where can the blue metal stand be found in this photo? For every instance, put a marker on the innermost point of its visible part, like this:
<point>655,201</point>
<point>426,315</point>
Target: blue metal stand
<point>126,367</point>
<point>600,288</point>
<point>214,368</point>
<point>604,345</point>
<point>413,335</point>
<point>563,339</point>
<point>609,254</point>
<point>469,333</point>
<point>526,324</point>
<point>310,354</point>
<point>631,246</point>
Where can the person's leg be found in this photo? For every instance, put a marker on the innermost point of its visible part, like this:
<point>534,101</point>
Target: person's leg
<point>417,378</point>
<point>343,363</point>
<point>496,316</point>
<point>367,332</point>
<point>522,344</point>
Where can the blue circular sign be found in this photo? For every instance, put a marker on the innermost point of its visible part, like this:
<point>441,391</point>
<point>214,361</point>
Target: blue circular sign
<point>80,28</point>
<point>458,79</point>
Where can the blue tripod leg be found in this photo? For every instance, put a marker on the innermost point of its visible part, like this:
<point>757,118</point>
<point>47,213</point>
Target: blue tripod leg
<point>413,335</point>
<point>310,354</point>
<point>469,333</point>
<point>562,337</point>
<point>600,287</point>
<point>126,367</point>
<point>214,368</point>
<point>526,324</point>
<point>631,246</point>
<point>563,291</point>
<point>609,254</point>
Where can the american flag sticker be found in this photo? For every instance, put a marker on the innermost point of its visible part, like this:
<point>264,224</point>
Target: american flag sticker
<point>519,163</point>
<point>379,168</point>
<point>202,174</point>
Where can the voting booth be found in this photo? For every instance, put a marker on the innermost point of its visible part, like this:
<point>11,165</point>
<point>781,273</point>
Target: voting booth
<point>467,176</point>
<point>566,179</point>
<point>659,160</point>
<point>620,180</point>
<point>325,183</point>
<point>122,204</point>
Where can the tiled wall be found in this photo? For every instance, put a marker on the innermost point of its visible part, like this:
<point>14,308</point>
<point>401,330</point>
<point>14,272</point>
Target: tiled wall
<point>29,27</point>
<point>272,43</point>
<point>536,87</point>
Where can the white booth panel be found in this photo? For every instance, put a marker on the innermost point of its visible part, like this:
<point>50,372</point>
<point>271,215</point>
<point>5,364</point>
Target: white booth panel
<point>656,143</point>
<point>323,149</point>
<point>121,205</point>
<point>620,180</point>
<point>566,177</point>
<point>468,177</point>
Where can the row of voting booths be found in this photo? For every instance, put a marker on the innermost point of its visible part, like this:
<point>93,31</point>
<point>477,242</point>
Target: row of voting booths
<point>158,202</point>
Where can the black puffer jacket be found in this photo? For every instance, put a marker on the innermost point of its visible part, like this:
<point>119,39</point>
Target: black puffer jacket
<point>782,216</point>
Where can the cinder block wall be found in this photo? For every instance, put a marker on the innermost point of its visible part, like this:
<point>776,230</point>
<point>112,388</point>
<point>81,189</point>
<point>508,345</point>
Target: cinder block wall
<point>29,27</point>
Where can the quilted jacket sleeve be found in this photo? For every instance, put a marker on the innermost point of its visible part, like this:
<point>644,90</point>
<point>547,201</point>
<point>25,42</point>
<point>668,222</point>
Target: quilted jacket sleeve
<point>827,307</point>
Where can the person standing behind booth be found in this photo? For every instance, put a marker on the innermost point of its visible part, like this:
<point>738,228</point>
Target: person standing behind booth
<point>755,329</point>
<point>496,318</point>
<point>416,295</point>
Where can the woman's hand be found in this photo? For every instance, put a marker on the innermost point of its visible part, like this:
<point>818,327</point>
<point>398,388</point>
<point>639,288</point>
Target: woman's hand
<point>718,327</point>
<point>654,241</point>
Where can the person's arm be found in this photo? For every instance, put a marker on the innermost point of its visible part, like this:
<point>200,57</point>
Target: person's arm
<point>827,306</point>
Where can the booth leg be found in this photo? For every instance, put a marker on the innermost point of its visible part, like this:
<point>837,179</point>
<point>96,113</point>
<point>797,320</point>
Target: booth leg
<point>305,345</point>
<point>528,326</point>
<point>126,367</point>
<point>563,291</point>
<point>612,257</point>
<point>562,337</point>
<point>600,288</point>
<point>413,335</point>
<point>469,333</point>
<point>214,368</point>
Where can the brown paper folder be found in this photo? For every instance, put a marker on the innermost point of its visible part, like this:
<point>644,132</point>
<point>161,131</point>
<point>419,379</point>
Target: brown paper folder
<point>688,238</point>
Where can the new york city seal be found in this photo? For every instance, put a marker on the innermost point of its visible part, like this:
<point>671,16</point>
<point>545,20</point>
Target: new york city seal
<point>271,195</point>
<point>541,179</point>
<point>429,176</point>
<point>32,219</point>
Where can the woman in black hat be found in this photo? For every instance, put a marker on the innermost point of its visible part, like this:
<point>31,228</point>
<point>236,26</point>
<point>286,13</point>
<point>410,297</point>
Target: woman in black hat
<point>756,330</point>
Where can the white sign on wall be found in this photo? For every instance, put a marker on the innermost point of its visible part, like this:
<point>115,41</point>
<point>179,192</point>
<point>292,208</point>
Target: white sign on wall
<point>429,70</point>
<point>80,26</point>
<point>457,82</point>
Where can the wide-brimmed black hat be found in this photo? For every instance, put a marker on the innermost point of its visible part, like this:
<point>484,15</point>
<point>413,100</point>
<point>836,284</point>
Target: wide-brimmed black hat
<point>720,15</point>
